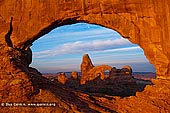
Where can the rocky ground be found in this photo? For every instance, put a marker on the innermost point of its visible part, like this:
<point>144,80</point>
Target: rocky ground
<point>154,98</point>
<point>116,86</point>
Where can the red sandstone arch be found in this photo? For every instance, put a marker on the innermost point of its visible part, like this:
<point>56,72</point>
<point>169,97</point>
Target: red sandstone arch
<point>138,21</point>
<point>99,70</point>
<point>145,23</point>
<point>95,72</point>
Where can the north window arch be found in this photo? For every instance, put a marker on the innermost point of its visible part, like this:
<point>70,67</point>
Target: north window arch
<point>62,49</point>
<point>139,20</point>
<point>67,44</point>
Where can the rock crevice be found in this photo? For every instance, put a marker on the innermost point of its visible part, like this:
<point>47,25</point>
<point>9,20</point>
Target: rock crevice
<point>8,35</point>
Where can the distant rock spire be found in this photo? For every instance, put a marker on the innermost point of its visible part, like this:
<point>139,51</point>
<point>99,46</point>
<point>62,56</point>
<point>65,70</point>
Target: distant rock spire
<point>86,65</point>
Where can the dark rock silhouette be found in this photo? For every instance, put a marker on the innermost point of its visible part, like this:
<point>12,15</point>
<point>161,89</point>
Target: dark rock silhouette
<point>126,70</point>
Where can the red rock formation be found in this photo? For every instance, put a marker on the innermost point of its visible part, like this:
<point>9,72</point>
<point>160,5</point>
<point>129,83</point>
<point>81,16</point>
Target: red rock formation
<point>145,23</point>
<point>90,72</point>
<point>74,75</point>
<point>98,71</point>
<point>138,21</point>
<point>86,65</point>
<point>126,70</point>
<point>62,78</point>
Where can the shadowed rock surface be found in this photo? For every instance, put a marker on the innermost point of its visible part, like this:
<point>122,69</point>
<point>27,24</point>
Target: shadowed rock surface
<point>145,23</point>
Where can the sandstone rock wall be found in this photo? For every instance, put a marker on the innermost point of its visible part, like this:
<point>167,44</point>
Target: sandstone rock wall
<point>145,23</point>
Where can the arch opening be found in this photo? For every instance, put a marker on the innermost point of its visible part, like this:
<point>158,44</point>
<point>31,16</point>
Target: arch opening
<point>104,45</point>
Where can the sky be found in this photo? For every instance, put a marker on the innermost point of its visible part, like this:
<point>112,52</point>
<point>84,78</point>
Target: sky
<point>61,50</point>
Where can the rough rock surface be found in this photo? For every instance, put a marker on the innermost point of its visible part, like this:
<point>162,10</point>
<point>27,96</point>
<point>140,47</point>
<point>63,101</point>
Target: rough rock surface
<point>86,65</point>
<point>145,23</point>
<point>119,82</point>
<point>62,78</point>
<point>74,75</point>
<point>126,70</point>
<point>99,83</point>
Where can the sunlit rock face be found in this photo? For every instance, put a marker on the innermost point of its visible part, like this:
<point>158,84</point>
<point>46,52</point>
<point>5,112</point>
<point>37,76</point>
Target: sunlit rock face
<point>90,72</point>
<point>62,78</point>
<point>145,23</point>
<point>86,66</point>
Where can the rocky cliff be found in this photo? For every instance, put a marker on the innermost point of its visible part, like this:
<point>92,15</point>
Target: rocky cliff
<point>145,23</point>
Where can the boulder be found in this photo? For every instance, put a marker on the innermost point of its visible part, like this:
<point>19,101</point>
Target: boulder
<point>127,70</point>
<point>74,75</point>
<point>62,78</point>
<point>113,71</point>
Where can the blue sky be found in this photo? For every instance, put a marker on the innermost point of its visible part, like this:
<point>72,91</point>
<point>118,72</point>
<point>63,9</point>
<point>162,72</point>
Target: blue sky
<point>62,49</point>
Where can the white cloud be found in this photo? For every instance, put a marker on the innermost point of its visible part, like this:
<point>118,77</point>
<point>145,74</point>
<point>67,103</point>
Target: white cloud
<point>123,49</point>
<point>81,47</point>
